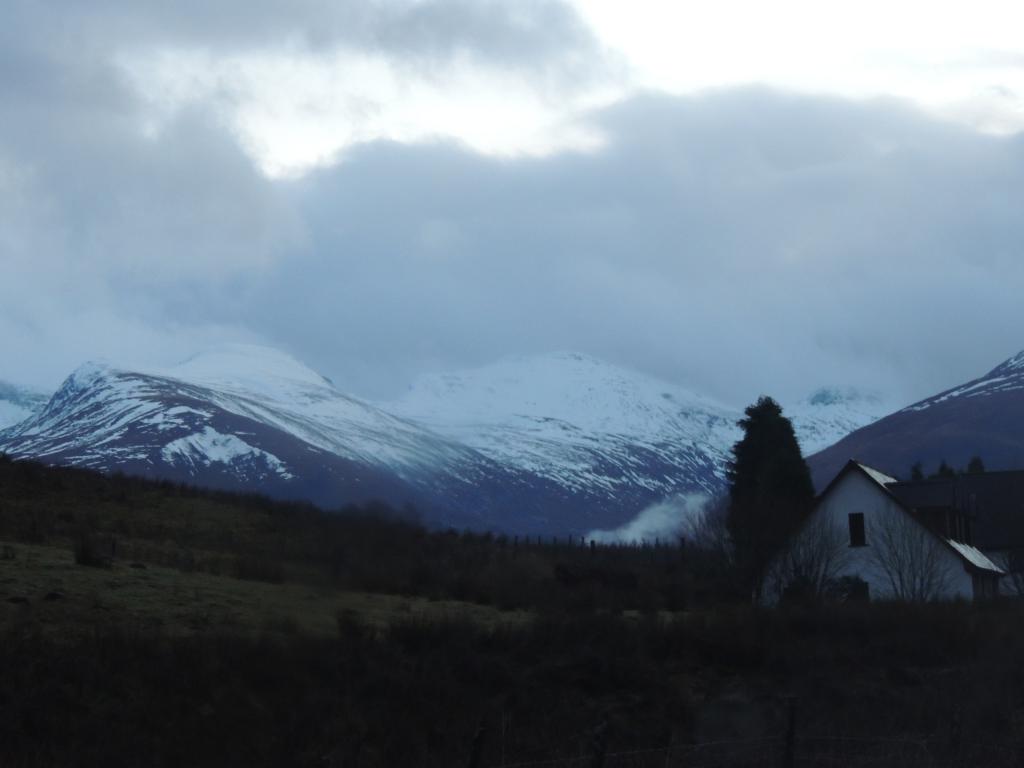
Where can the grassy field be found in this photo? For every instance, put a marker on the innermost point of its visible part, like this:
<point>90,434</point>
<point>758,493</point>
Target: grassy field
<point>200,544</point>
<point>44,586</point>
<point>150,624</point>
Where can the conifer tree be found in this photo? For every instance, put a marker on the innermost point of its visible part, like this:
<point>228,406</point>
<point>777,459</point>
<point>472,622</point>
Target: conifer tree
<point>975,466</point>
<point>770,489</point>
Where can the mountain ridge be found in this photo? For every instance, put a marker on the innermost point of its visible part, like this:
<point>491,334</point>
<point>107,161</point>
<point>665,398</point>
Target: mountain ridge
<point>561,443</point>
<point>982,417</point>
<point>18,403</point>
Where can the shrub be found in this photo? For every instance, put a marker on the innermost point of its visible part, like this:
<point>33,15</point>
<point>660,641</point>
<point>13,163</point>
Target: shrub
<point>93,550</point>
<point>251,568</point>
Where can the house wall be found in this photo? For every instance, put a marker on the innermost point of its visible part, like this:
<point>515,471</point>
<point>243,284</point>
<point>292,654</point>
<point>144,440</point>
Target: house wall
<point>1012,584</point>
<point>856,493</point>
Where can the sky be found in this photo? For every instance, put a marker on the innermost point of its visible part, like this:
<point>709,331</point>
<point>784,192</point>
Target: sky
<point>738,197</point>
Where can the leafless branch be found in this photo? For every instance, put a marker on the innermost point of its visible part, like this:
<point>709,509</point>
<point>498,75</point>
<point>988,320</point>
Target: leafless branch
<point>911,557</point>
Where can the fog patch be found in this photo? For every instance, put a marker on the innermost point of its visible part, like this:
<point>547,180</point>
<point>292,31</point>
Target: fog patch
<point>665,521</point>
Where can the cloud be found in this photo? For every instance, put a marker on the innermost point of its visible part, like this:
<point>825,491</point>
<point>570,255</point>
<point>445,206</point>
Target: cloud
<point>664,521</point>
<point>519,32</point>
<point>738,241</point>
<point>299,83</point>
<point>948,64</point>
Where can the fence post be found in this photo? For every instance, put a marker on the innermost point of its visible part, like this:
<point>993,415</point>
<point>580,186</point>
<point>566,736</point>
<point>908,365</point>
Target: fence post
<point>476,751</point>
<point>599,745</point>
<point>789,741</point>
<point>956,732</point>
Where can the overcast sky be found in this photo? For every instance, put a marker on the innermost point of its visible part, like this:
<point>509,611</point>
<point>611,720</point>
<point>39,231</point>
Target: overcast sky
<point>742,198</point>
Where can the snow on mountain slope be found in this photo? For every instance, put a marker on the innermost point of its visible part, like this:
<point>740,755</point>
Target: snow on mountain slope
<point>103,417</point>
<point>583,422</point>
<point>274,388</point>
<point>983,417</point>
<point>17,404</point>
<point>209,446</point>
<point>263,385</point>
<point>580,422</point>
<point>250,418</point>
<point>1006,377</point>
<point>593,395</point>
<point>831,413</point>
<point>555,444</point>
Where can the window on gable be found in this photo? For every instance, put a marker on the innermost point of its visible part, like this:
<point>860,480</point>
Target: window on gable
<point>857,529</point>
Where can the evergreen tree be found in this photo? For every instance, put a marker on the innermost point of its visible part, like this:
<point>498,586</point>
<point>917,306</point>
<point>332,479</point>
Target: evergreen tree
<point>770,489</point>
<point>944,470</point>
<point>975,466</point>
<point>916,471</point>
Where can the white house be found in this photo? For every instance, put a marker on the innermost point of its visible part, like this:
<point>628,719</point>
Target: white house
<point>862,536</point>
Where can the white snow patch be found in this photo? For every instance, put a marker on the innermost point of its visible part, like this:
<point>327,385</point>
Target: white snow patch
<point>171,418</point>
<point>974,556</point>
<point>210,446</point>
<point>879,477</point>
<point>831,413</point>
<point>260,371</point>
<point>559,393</point>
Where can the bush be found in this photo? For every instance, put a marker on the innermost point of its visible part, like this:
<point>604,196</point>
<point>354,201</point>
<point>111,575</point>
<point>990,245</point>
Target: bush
<point>251,568</point>
<point>93,550</point>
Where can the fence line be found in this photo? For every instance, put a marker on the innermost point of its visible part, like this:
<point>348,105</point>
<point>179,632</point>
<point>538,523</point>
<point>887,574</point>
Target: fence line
<point>852,751</point>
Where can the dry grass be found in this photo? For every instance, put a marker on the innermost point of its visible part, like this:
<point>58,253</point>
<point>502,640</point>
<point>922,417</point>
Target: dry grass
<point>63,597</point>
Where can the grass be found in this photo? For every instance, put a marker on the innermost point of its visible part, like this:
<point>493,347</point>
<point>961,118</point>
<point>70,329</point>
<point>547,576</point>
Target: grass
<point>266,633</point>
<point>180,603</point>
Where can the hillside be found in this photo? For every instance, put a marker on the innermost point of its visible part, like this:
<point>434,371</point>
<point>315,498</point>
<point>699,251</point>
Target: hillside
<point>150,623</point>
<point>984,417</point>
<point>251,419</point>
<point>557,444</point>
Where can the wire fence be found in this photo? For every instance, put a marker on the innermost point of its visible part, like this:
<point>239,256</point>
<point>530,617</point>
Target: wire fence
<point>823,752</point>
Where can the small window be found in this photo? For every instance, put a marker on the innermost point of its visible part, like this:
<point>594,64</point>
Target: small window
<point>857,529</point>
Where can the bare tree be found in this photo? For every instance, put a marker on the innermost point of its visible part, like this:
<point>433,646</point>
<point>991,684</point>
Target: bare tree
<point>1012,562</point>
<point>815,556</point>
<point>707,529</point>
<point>914,560</point>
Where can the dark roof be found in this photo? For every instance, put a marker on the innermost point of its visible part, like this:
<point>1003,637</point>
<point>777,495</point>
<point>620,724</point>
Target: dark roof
<point>994,502</point>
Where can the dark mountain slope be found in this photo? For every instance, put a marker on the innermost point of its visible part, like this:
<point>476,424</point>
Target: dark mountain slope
<point>984,417</point>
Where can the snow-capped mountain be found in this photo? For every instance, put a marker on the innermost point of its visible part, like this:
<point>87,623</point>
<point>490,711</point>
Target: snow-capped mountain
<point>584,423</point>
<point>831,413</point>
<point>249,418</point>
<point>18,403</point>
<point>1007,377</point>
<point>558,444</point>
<point>984,417</point>
<point>580,422</point>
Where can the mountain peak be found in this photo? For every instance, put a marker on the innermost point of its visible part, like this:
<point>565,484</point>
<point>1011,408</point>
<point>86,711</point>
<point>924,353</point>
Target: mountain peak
<point>561,441</point>
<point>565,387</point>
<point>244,362</point>
<point>834,395</point>
<point>86,375</point>
<point>1010,367</point>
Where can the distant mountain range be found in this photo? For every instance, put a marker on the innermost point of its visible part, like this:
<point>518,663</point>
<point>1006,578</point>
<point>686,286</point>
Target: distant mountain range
<point>18,403</point>
<point>555,444</point>
<point>984,417</point>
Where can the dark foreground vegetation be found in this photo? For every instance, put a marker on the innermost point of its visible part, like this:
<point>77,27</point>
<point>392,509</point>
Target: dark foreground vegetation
<point>151,624</point>
<point>949,679</point>
<point>373,548</point>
